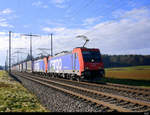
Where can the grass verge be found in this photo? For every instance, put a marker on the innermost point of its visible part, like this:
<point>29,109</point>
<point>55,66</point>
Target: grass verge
<point>15,98</point>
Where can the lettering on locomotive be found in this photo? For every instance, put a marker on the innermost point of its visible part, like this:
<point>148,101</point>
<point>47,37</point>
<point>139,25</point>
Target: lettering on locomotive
<point>56,65</point>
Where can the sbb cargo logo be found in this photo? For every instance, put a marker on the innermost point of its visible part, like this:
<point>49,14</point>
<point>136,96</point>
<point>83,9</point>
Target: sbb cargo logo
<point>56,65</point>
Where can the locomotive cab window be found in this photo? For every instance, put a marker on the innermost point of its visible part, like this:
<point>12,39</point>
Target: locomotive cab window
<point>91,56</point>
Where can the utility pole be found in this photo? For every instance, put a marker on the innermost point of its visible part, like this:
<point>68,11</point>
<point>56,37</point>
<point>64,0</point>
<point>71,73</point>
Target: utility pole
<point>51,44</point>
<point>31,35</point>
<point>10,52</point>
<point>51,49</point>
<point>31,45</point>
<point>6,62</point>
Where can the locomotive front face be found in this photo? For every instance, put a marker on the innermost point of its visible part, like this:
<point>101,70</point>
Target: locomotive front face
<point>93,65</point>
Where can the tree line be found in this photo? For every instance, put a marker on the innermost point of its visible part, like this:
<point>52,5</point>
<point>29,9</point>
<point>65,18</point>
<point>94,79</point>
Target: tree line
<point>1,67</point>
<point>120,60</point>
<point>125,60</point>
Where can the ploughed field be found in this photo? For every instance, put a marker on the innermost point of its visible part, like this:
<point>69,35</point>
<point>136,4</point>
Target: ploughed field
<point>15,98</point>
<point>132,73</point>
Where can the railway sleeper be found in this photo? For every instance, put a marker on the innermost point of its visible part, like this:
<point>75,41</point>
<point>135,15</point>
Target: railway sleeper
<point>140,94</point>
<point>131,105</point>
<point>142,110</point>
<point>105,109</point>
<point>97,108</point>
<point>113,101</point>
<point>105,100</point>
<point>145,108</point>
<point>109,99</point>
<point>128,105</point>
<point>110,110</point>
<point>137,108</point>
<point>146,95</point>
<point>123,103</point>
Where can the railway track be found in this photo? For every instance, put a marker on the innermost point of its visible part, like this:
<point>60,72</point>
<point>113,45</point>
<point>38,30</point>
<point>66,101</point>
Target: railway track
<point>107,102</point>
<point>131,87</point>
<point>117,89</point>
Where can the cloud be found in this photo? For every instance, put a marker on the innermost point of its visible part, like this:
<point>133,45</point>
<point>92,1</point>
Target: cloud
<point>123,36</point>
<point>6,11</point>
<point>4,23</point>
<point>59,3</point>
<point>90,21</point>
<point>54,30</point>
<point>26,26</point>
<point>132,14</point>
<point>55,23</point>
<point>39,4</point>
<point>5,16</point>
<point>126,35</point>
<point>129,34</point>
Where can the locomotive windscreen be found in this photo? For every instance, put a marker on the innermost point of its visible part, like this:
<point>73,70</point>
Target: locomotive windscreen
<point>91,56</point>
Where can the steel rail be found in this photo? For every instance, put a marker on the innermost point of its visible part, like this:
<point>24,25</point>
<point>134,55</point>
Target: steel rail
<point>143,103</point>
<point>134,93</point>
<point>101,93</point>
<point>119,88</point>
<point>115,88</point>
<point>129,86</point>
<point>110,87</point>
<point>111,106</point>
<point>135,89</point>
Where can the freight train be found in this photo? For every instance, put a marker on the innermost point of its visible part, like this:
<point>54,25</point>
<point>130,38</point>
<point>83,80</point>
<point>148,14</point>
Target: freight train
<point>79,64</point>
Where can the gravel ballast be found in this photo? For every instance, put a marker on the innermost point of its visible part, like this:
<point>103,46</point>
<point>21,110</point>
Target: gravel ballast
<point>57,101</point>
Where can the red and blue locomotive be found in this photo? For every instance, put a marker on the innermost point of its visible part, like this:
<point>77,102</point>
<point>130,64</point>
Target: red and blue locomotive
<point>81,64</point>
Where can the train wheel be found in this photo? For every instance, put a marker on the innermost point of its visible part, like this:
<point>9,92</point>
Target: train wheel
<point>71,77</point>
<point>79,79</point>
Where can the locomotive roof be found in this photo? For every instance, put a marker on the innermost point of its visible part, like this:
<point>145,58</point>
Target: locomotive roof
<point>41,57</point>
<point>62,53</point>
<point>85,48</point>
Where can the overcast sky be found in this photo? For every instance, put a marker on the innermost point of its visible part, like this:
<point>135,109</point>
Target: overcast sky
<point>113,26</point>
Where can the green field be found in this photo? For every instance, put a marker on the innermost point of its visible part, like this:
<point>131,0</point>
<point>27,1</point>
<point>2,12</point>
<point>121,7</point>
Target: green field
<point>137,75</point>
<point>15,98</point>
